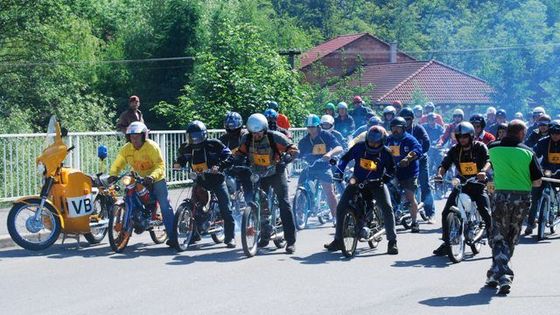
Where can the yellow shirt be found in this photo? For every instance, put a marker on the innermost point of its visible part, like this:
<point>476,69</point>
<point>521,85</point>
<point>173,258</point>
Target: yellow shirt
<point>147,161</point>
<point>359,138</point>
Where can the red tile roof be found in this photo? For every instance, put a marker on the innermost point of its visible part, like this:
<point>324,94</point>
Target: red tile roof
<point>440,83</point>
<point>326,48</point>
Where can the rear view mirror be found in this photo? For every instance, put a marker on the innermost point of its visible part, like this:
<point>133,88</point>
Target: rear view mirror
<point>64,132</point>
<point>102,152</point>
<point>333,161</point>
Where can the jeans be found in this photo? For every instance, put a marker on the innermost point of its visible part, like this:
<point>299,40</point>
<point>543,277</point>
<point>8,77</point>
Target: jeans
<point>374,191</point>
<point>425,189</point>
<point>243,176</point>
<point>434,161</point>
<point>159,191</point>
<point>279,184</point>
<point>221,192</point>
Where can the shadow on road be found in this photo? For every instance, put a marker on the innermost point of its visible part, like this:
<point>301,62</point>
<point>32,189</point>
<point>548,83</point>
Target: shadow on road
<point>321,257</point>
<point>222,256</point>
<point>426,262</point>
<point>482,297</point>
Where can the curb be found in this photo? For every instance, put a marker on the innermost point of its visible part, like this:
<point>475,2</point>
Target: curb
<point>6,241</point>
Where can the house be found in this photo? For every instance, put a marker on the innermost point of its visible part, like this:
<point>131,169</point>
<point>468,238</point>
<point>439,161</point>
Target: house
<point>393,74</point>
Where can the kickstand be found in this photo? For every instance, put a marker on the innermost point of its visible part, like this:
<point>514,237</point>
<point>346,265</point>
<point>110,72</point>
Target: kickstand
<point>73,236</point>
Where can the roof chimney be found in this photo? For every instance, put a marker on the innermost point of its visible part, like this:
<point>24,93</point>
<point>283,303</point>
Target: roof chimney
<point>393,52</point>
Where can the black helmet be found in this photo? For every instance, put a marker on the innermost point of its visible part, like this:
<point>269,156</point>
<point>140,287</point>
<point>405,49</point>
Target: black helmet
<point>478,119</point>
<point>464,128</point>
<point>196,132</point>
<point>233,121</point>
<point>502,126</point>
<point>501,113</point>
<point>398,122</point>
<point>554,127</point>
<point>406,112</point>
<point>375,134</point>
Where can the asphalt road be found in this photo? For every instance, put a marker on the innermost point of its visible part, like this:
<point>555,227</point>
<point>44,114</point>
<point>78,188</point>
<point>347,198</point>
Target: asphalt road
<point>211,279</point>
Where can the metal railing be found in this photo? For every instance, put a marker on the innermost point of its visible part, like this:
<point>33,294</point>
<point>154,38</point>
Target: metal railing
<point>18,170</point>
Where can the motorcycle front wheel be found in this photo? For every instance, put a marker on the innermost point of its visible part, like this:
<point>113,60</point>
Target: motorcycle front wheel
<point>456,238</point>
<point>30,233</point>
<point>543,218</point>
<point>184,225</point>
<point>349,234</point>
<point>301,208</point>
<point>118,234</point>
<point>250,230</point>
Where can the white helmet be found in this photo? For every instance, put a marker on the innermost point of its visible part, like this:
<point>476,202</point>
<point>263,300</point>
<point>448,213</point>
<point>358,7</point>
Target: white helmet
<point>539,110</point>
<point>491,110</point>
<point>342,105</point>
<point>458,112</point>
<point>519,115</point>
<point>257,123</point>
<point>327,119</point>
<point>389,110</point>
<point>136,127</point>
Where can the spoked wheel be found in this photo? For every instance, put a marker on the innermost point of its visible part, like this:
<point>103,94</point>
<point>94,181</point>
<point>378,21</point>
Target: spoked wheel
<point>100,214</point>
<point>301,207</point>
<point>158,233</point>
<point>406,221</point>
<point>456,238</point>
<point>33,233</point>
<point>543,218</point>
<point>250,230</point>
<point>184,225</point>
<point>349,234</point>
<point>118,235</point>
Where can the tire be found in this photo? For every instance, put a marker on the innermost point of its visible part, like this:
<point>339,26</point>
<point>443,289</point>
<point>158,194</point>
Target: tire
<point>544,209</point>
<point>184,225</point>
<point>349,234</point>
<point>456,238</point>
<point>406,221</point>
<point>49,220</point>
<point>100,209</point>
<point>373,244</point>
<point>301,207</point>
<point>250,230</point>
<point>118,237</point>
<point>158,234</point>
<point>280,243</point>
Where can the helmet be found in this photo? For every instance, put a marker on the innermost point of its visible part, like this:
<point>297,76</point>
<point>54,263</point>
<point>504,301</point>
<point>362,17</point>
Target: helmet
<point>478,119</point>
<point>538,111</point>
<point>312,121</point>
<point>271,114</point>
<point>257,123</point>
<point>373,121</point>
<point>519,115</point>
<point>464,128</point>
<point>554,127</point>
<point>196,132</point>
<point>429,107</point>
<point>375,134</point>
<point>406,112</point>
<point>491,110</point>
<point>327,119</point>
<point>502,126</point>
<point>330,106</point>
<point>501,113</point>
<point>397,103</point>
<point>233,121</point>
<point>543,120</point>
<point>137,127</point>
<point>398,122</point>
<point>342,105</point>
<point>459,112</point>
<point>272,105</point>
<point>417,108</point>
<point>431,116</point>
<point>357,99</point>
<point>389,110</point>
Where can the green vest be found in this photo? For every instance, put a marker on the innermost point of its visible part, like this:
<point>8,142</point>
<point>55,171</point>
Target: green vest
<point>511,168</point>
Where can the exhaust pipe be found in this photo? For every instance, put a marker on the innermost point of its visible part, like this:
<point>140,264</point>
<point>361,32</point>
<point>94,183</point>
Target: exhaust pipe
<point>99,224</point>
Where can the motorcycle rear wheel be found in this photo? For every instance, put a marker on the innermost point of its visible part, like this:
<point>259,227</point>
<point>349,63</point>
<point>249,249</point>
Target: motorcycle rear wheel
<point>158,234</point>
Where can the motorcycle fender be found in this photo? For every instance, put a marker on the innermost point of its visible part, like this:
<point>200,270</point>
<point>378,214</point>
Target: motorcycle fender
<point>31,200</point>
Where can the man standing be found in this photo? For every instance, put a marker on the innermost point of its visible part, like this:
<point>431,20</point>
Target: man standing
<point>344,123</point>
<point>131,115</point>
<point>360,113</point>
<point>516,171</point>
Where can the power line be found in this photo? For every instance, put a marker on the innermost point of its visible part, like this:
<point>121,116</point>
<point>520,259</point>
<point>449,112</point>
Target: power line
<point>77,63</point>
<point>517,47</point>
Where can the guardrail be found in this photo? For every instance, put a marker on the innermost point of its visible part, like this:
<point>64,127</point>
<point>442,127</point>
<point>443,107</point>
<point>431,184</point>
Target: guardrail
<point>18,171</point>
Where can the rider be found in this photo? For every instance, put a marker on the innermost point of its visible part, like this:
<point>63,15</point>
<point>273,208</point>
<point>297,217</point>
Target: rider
<point>282,121</point>
<point>360,113</point>
<point>502,129</point>
<point>548,149</point>
<point>203,154</point>
<point>389,113</point>
<point>372,161</point>
<point>344,123</point>
<point>490,117</point>
<point>458,116</point>
<point>327,124</point>
<point>406,151</point>
<point>330,109</point>
<point>418,111</point>
<point>540,132</point>
<point>316,145</point>
<point>430,108</point>
<point>478,122</point>
<point>233,124</point>
<point>471,159</point>
<point>420,134</point>
<point>360,133</point>
<point>266,148</point>
<point>272,117</point>
<point>537,113</point>
<point>144,156</point>
<point>435,131</point>
<point>501,117</point>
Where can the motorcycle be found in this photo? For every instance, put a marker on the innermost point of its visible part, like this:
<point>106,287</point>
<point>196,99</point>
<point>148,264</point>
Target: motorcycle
<point>549,205</point>
<point>236,196</point>
<point>401,206</point>
<point>138,213</point>
<point>309,200</point>
<point>199,214</point>
<point>66,203</point>
<point>464,224</point>
<point>261,218</point>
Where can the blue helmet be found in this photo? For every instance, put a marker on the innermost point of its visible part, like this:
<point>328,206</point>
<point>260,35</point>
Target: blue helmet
<point>272,105</point>
<point>373,121</point>
<point>375,134</point>
<point>271,114</point>
<point>233,121</point>
<point>312,121</point>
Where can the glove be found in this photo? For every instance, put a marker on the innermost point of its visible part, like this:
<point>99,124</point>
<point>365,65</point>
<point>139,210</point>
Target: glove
<point>287,158</point>
<point>112,179</point>
<point>404,162</point>
<point>148,181</point>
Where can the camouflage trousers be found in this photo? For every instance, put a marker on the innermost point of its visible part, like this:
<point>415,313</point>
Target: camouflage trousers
<point>508,211</point>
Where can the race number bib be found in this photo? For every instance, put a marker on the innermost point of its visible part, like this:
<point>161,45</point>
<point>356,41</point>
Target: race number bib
<point>262,159</point>
<point>200,167</point>
<point>319,149</point>
<point>468,168</point>
<point>395,150</point>
<point>80,206</point>
<point>368,164</point>
<point>554,158</point>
